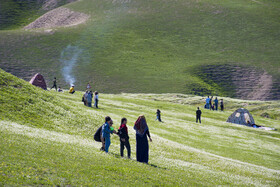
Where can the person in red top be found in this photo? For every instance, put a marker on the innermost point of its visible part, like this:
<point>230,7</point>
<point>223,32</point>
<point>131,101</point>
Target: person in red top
<point>124,138</point>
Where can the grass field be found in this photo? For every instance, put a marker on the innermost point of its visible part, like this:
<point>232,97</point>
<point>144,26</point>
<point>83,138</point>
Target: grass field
<point>47,139</point>
<point>152,46</point>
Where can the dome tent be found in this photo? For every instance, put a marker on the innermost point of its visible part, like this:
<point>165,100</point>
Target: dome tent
<point>241,116</point>
<point>38,80</point>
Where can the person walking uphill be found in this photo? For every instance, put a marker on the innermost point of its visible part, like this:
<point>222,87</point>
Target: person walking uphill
<point>54,84</point>
<point>198,115</point>
<point>142,145</point>
<point>106,131</point>
<point>158,115</point>
<point>124,138</point>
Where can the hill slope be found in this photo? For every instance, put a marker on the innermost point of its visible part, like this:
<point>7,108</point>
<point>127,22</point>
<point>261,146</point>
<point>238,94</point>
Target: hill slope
<point>230,48</point>
<point>46,139</point>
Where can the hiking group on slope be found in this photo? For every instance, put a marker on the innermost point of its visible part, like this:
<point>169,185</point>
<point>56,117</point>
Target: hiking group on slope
<point>87,98</point>
<point>103,134</point>
<point>213,104</point>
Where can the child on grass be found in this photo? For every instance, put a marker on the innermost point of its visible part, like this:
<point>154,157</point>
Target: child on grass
<point>106,131</point>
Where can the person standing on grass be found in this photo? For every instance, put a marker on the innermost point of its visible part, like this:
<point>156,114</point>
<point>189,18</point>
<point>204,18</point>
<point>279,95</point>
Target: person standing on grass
<point>54,84</point>
<point>207,102</point>
<point>106,131</point>
<point>89,99</point>
<point>210,102</point>
<point>216,102</point>
<point>84,99</point>
<point>158,115</point>
<point>98,137</point>
<point>222,105</point>
<point>124,138</point>
<point>142,145</point>
<point>96,98</point>
<point>198,115</point>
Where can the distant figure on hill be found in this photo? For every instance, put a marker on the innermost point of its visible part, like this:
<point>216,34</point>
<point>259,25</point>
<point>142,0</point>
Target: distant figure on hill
<point>198,115</point>
<point>158,115</point>
<point>106,131</point>
<point>88,87</point>
<point>59,89</point>
<point>96,99</point>
<point>124,138</point>
<point>207,103</point>
<point>89,99</point>
<point>72,89</point>
<point>142,145</point>
<point>216,102</point>
<point>54,84</point>
<point>222,105</point>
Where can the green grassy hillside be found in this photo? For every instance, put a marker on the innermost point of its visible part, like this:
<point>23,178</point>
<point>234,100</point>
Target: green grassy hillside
<point>47,139</point>
<point>153,46</point>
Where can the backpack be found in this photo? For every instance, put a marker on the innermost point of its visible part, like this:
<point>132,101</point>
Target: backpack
<point>97,135</point>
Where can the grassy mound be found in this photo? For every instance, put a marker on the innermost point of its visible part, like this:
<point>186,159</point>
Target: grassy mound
<point>152,46</point>
<point>46,139</point>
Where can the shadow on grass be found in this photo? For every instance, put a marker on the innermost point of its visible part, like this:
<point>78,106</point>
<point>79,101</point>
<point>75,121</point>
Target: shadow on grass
<point>152,165</point>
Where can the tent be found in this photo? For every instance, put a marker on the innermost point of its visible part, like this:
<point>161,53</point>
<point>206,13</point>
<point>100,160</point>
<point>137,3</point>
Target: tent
<point>38,80</point>
<point>241,116</point>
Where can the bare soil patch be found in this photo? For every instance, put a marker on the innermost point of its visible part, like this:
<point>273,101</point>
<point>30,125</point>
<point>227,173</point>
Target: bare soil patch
<point>59,17</point>
<point>51,4</point>
<point>242,82</point>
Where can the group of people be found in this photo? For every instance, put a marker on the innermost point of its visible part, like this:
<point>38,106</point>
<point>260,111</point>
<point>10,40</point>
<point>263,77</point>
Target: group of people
<point>87,98</point>
<point>213,104</point>
<point>103,134</point>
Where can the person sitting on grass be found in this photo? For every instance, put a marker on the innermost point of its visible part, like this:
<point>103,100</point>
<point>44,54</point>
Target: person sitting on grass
<point>158,115</point>
<point>59,89</point>
<point>124,138</point>
<point>106,131</point>
<point>72,89</point>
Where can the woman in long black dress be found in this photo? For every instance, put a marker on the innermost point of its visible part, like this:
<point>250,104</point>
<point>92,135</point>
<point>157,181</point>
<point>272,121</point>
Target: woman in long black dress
<point>142,145</point>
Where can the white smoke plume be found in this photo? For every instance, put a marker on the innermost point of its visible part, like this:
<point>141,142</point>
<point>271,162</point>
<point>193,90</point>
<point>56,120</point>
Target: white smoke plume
<point>68,58</point>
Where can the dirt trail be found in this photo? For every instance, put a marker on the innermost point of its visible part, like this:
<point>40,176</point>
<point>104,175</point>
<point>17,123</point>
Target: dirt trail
<point>59,17</point>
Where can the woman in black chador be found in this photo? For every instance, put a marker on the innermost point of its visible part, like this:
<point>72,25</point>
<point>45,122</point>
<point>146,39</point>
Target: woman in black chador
<point>142,145</point>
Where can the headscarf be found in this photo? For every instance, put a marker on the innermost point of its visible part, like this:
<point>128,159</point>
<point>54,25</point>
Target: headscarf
<point>141,125</point>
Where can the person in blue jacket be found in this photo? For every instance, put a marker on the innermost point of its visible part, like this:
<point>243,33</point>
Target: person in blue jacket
<point>106,131</point>
<point>89,99</point>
